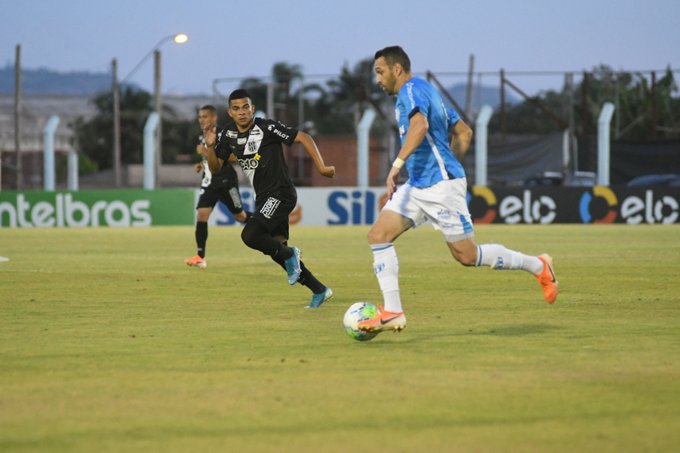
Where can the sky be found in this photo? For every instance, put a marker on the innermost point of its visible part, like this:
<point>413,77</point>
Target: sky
<point>234,40</point>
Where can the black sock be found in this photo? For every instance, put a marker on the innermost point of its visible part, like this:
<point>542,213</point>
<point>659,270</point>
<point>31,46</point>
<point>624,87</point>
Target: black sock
<point>310,281</point>
<point>306,277</point>
<point>201,237</point>
<point>284,252</point>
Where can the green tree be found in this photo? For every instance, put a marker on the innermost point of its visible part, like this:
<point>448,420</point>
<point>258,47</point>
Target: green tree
<point>528,118</point>
<point>644,112</point>
<point>95,137</point>
<point>257,90</point>
<point>333,107</point>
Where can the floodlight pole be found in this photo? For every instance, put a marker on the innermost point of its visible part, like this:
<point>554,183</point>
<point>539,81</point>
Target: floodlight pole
<point>158,99</point>
<point>116,124</point>
<point>17,116</point>
<point>179,38</point>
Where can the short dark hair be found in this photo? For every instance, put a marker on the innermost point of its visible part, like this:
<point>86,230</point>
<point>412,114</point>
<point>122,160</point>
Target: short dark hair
<point>210,108</point>
<point>394,54</point>
<point>239,94</point>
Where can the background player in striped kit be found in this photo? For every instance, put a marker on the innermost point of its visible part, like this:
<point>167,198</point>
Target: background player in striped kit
<point>220,186</point>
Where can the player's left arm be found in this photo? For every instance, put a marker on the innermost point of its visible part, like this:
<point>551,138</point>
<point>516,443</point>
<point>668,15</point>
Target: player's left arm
<point>199,166</point>
<point>461,138</point>
<point>313,151</point>
<point>417,129</point>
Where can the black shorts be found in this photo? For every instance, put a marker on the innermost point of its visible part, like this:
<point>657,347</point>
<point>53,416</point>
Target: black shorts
<point>272,211</point>
<point>229,195</point>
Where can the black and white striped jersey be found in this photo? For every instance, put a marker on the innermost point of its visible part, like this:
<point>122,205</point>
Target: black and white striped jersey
<point>259,152</point>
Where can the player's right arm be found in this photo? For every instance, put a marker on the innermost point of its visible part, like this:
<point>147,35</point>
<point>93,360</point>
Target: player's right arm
<point>313,151</point>
<point>210,140</point>
<point>418,127</point>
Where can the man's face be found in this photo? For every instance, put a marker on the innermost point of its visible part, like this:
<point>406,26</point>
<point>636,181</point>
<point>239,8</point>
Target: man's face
<point>206,118</point>
<point>385,75</point>
<point>242,111</point>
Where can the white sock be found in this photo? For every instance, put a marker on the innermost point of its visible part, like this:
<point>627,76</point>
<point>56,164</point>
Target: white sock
<point>500,258</point>
<point>386,268</point>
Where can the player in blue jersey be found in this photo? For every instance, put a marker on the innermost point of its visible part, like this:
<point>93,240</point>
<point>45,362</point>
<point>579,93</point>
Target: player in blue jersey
<point>435,190</point>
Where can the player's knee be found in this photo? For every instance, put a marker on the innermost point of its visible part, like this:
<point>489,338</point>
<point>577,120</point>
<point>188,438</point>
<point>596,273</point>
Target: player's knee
<point>249,236</point>
<point>377,236</point>
<point>203,215</point>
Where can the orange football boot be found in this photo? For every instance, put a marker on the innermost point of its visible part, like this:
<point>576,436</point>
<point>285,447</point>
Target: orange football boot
<point>387,320</point>
<point>196,261</point>
<point>547,278</point>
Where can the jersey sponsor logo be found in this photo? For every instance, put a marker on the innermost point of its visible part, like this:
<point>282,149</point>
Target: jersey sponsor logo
<point>252,147</point>
<point>272,128</point>
<point>241,141</point>
<point>444,214</point>
<point>270,206</point>
<point>249,164</point>
<point>254,141</point>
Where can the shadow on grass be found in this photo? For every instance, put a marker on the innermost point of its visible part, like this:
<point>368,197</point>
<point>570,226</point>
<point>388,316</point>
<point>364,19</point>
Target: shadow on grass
<point>514,330</point>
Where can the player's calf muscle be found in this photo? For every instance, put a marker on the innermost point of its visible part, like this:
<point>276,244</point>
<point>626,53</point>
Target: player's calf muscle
<point>465,252</point>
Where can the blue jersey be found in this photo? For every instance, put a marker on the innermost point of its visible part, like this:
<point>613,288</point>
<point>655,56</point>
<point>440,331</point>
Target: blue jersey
<point>433,160</point>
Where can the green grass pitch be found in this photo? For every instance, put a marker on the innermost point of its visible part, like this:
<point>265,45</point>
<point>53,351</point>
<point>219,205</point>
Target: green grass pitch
<point>108,342</point>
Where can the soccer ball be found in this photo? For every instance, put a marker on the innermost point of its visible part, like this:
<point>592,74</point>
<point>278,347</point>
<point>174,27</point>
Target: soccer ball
<point>359,311</point>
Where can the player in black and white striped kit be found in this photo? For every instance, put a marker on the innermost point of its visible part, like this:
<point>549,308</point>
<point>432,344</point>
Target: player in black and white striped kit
<point>219,186</point>
<point>257,144</point>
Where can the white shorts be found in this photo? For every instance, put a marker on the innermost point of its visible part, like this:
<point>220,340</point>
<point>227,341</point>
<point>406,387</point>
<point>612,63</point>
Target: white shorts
<point>444,204</point>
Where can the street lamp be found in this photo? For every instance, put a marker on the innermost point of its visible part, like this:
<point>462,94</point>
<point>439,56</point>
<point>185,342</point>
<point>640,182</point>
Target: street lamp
<point>179,38</point>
